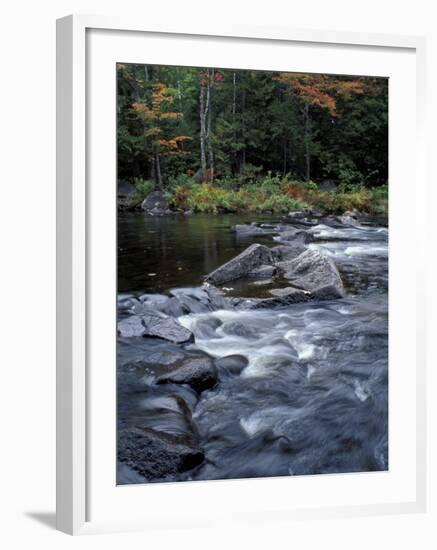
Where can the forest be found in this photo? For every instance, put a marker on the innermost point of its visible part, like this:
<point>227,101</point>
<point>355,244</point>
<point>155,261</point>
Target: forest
<point>224,140</point>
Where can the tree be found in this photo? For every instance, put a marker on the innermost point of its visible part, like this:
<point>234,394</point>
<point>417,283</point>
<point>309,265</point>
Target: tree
<point>159,137</point>
<point>320,91</point>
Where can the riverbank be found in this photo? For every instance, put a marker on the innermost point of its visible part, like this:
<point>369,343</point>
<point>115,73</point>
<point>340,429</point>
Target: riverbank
<point>272,194</point>
<point>210,387</point>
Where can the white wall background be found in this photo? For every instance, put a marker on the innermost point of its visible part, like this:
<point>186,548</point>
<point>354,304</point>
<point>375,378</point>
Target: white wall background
<point>27,286</point>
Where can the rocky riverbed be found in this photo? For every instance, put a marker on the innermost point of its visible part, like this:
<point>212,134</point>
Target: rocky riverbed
<point>251,349</point>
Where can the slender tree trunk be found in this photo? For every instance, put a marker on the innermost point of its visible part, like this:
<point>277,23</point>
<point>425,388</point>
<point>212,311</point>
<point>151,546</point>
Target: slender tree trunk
<point>284,166</point>
<point>307,142</point>
<point>135,87</point>
<point>202,130</point>
<point>234,111</point>
<point>243,127</point>
<point>208,129</point>
<point>158,172</point>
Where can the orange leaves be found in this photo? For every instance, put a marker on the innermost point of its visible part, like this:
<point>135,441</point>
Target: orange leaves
<point>321,90</point>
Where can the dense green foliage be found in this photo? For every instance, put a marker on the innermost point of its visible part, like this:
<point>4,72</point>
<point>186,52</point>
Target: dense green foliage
<point>222,139</point>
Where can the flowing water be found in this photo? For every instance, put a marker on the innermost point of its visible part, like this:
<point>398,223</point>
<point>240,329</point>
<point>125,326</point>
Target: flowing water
<point>314,395</point>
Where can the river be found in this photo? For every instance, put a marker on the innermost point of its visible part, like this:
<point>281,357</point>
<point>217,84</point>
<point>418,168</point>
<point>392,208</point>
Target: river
<point>313,397</point>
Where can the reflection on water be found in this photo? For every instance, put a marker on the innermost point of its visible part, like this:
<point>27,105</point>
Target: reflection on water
<point>158,253</point>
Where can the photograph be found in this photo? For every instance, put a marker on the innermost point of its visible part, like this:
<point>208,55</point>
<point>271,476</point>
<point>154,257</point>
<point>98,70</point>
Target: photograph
<point>252,273</point>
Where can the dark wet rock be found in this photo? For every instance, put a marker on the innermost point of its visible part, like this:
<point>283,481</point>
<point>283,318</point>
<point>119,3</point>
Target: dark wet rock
<point>253,257</point>
<point>199,372</point>
<point>288,251</point>
<point>125,302</point>
<point>354,213</point>
<point>314,272</point>
<point>295,236</point>
<point>346,219</point>
<point>154,324</point>
<point>156,455</point>
<point>206,328</point>
<point>297,214</point>
<point>266,271</point>
<point>155,203</point>
<point>217,298</point>
<point>280,297</point>
<point>236,328</point>
<point>190,300</point>
<point>233,364</point>
<point>165,327</point>
<point>130,327</point>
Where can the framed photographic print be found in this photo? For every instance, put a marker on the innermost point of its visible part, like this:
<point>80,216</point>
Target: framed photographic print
<point>240,330</point>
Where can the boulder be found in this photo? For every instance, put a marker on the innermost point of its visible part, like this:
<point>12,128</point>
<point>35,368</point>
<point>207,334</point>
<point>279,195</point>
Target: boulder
<point>263,271</point>
<point>297,236</point>
<point>130,327</point>
<point>156,455</point>
<point>296,214</point>
<point>155,203</point>
<point>199,372</point>
<point>154,324</point>
<point>168,328</point>
<point>233,364</point>
<point>253,257</point>
<point>315,273</point>
<point>288,251</point>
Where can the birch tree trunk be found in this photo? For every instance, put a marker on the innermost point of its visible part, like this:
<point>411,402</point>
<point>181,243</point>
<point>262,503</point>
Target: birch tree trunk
<point>202,130</point>
<point>208,129</point>
<point>158,172</point>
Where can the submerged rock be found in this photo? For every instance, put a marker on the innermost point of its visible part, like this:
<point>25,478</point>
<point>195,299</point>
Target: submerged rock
<point>315,273</point>
<point>198,372</point>
<point>156,455</point>
<point>233,364</point>
<point>253,257</point>
<point>248,230</point>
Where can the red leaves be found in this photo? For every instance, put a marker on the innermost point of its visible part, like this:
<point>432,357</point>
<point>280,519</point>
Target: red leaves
<point>322,90</point>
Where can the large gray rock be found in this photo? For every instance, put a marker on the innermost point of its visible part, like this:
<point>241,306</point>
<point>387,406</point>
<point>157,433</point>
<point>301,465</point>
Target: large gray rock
<point>156,455</point>
<point>198,372</point>
<point>154,324</point>
<point>295,236</point>
<point>130,327</point>
<point>155,203</point>
<point>315,273</point>
<point>262,272</point>
<point>253,257</point>
<point>165,327</point>
<point>233,364</point>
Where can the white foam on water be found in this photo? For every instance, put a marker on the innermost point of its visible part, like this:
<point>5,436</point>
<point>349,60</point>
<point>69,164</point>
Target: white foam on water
<point>366,251</point>
<point>361,391</point>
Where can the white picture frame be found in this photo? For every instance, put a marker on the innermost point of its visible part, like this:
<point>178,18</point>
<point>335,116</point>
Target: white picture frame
<point>75,397</point>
